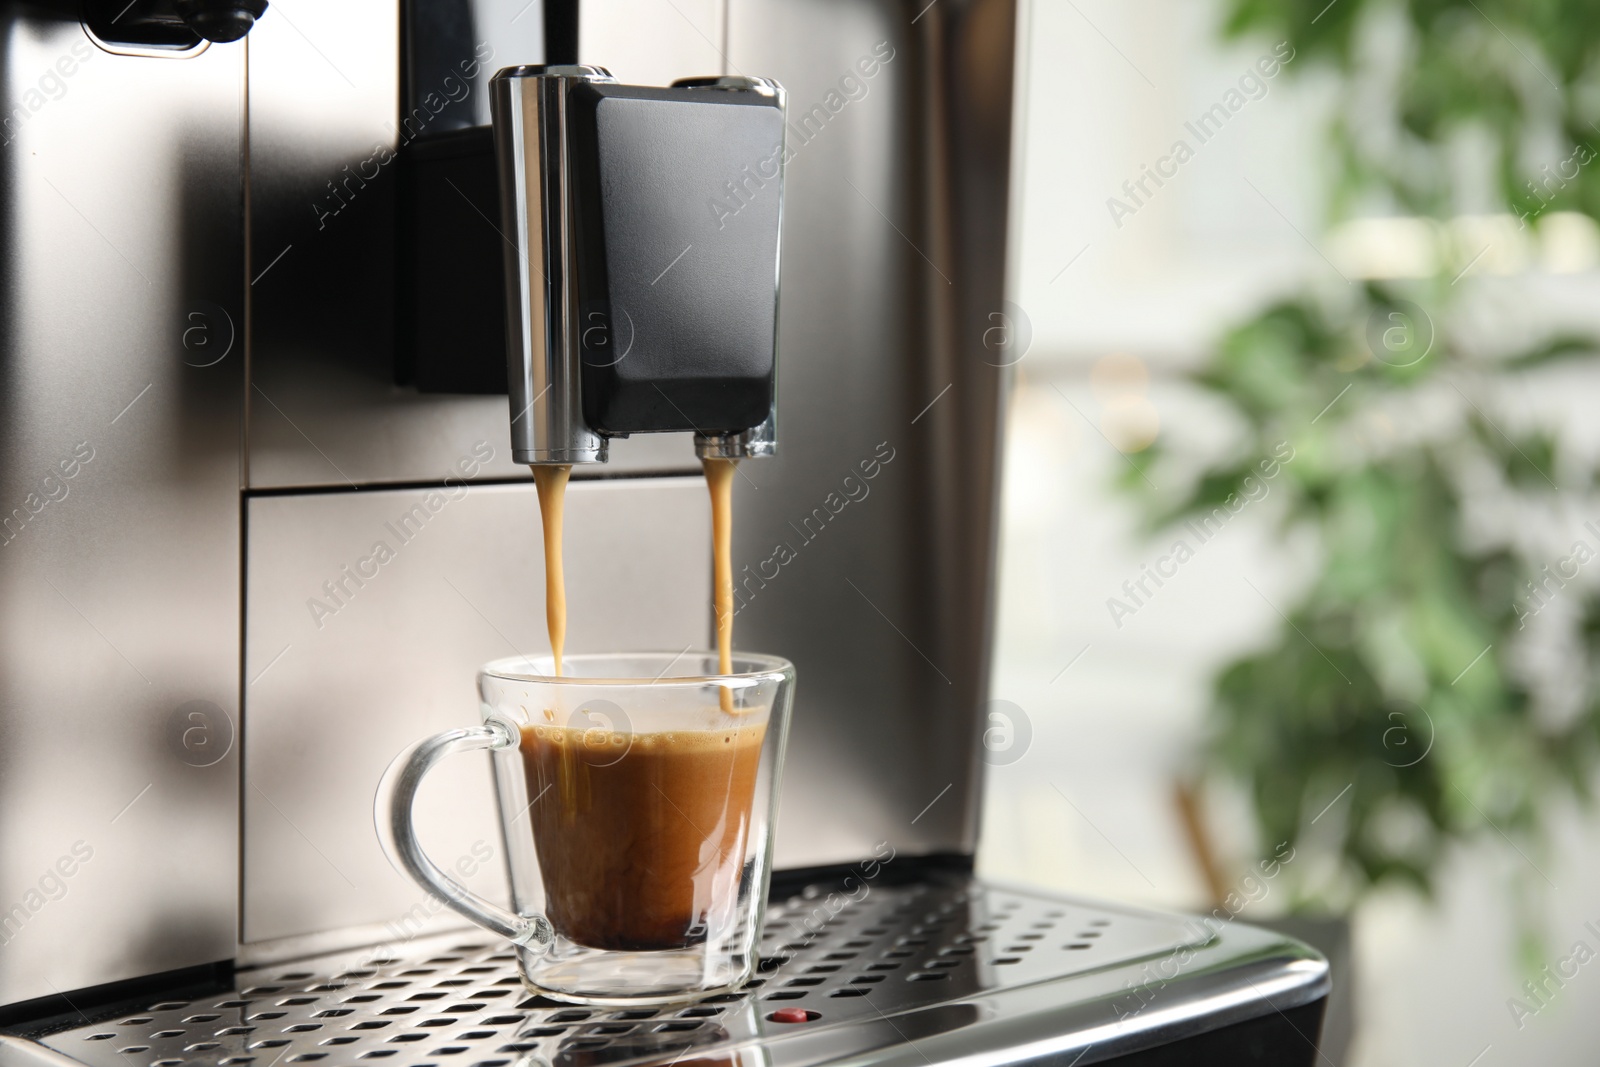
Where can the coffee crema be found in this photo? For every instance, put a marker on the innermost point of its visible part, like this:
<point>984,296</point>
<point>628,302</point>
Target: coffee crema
<point>640,836</point>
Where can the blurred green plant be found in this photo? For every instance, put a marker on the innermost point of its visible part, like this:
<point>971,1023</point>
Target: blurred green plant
<point>1422,78</point>
<point>1395,712</point>
<point>1390,707</point>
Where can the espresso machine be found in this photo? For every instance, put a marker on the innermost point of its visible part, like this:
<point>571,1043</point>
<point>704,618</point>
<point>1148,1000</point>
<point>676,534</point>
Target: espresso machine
<point>282,334</point>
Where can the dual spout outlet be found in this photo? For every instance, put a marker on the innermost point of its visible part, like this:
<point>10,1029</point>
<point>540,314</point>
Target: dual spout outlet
<point>642,236</point>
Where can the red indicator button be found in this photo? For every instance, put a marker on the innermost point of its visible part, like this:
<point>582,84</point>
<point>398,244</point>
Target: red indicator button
<point>793,1015</point>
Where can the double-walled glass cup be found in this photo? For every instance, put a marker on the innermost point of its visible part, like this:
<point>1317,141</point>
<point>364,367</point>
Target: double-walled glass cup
<point>637,794</point>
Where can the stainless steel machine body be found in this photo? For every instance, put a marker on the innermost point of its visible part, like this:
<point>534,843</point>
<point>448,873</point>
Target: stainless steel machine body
<point>245,563</point>
<point>122,350</point>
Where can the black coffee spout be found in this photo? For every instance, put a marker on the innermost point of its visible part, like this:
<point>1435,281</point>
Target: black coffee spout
<point>643,291</point>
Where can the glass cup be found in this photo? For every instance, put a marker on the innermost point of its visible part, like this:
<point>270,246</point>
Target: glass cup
<point>637,795</point>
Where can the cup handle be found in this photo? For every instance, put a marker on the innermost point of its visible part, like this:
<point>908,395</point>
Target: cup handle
<point>396,796</point>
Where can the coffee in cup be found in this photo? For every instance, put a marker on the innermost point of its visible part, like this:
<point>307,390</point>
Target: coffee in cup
<point>641,838</point>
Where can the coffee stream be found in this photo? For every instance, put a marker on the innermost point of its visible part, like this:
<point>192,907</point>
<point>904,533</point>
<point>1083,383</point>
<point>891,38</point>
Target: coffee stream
<point>551,481</point>
<point>719,479</point>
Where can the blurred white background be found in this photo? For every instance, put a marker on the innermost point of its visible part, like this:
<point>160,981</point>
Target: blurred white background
<point>1117,713</point>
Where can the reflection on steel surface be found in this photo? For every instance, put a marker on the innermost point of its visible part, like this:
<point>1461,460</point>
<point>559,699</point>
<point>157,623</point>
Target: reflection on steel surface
<point>119,490</point>
<point>914,965</point>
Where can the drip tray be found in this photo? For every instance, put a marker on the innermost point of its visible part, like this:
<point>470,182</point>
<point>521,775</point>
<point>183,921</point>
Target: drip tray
<point>943,968</point>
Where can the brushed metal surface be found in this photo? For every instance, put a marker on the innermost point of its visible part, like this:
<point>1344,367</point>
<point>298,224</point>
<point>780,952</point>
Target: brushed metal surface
<point>940,972</point>
<point>120,181</point>
<point>337,684</point>
<point>325,124</point>
<point>895,220</point>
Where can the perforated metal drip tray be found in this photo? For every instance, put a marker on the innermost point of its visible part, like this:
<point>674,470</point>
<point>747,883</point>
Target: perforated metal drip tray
<point>940,968</point>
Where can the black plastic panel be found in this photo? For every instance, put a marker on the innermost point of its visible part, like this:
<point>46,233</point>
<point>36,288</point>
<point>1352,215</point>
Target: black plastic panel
<point>144,24</point>
<point>452,336</point>
<point>680,251</point>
